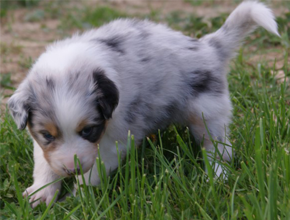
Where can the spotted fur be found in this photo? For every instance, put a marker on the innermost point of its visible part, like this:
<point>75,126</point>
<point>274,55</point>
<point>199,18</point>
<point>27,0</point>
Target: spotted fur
<point>84,93</point>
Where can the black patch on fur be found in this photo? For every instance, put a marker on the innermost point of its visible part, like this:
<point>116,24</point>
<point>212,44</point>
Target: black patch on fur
<point>50,83</point>
<point>145,59</point>
<point>23,123</point>
<point>109,100</point>
<point>215,43</point>
<point>31,124</point>
<point>160,118</point>
<point>114,43</point>
<point>30,121</point>
<point>26,107</point>
<point>203,81</point>
<point>141,111</point>
<point>171,109</point>
<point>194,45</point>
<point>193,48</point>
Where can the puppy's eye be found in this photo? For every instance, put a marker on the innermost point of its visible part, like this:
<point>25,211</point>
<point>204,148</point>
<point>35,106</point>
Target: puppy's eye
<point>47,136</point>
<point>87,131</point>
<point>92,133</point>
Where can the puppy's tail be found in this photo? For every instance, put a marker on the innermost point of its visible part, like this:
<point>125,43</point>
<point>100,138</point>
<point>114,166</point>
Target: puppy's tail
<point>241,22</point>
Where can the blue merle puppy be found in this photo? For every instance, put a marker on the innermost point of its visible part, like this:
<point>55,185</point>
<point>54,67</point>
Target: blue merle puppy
<point>84,93</point>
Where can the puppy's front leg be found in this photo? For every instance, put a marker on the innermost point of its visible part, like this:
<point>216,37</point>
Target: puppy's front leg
<point>108,155</point>
<point>42,175</point>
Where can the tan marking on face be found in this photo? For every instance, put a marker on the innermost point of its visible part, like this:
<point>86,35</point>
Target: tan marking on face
<point>81,125</point>
<point>52,129</point>
<point>47,154</point>
<point>47,149</point>
<point>50,150</point>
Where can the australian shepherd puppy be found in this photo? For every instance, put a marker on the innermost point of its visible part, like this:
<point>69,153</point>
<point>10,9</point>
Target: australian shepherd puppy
<point>84,93</point>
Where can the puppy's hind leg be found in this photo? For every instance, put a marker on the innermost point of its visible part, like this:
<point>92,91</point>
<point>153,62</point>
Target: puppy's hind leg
<point>212,130</point>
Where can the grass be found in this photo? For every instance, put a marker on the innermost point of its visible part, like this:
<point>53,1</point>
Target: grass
<point>87,18</point>
<point>164,178</point>
<point>6,5</point>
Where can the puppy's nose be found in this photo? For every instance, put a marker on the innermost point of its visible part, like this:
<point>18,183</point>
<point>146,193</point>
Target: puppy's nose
<point>71,172</point>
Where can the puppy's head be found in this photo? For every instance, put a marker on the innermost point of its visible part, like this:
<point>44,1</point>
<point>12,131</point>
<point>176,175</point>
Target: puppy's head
<point>66,113</point>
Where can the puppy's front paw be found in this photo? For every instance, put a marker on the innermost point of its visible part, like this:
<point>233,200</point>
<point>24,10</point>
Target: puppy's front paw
<point>44,195</point>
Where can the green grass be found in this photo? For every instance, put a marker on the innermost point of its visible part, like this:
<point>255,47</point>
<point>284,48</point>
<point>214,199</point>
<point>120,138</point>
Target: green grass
<point>164,178</point>
<point>19,3</point>
<point>86,18</point>
<point>7,5</point>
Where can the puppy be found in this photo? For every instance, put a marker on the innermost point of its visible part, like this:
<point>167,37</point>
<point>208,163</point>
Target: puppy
<point>84,93</point>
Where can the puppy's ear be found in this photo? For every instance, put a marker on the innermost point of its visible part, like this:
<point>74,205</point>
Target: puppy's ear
<point>108,97</point>
<point>19,106</point>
